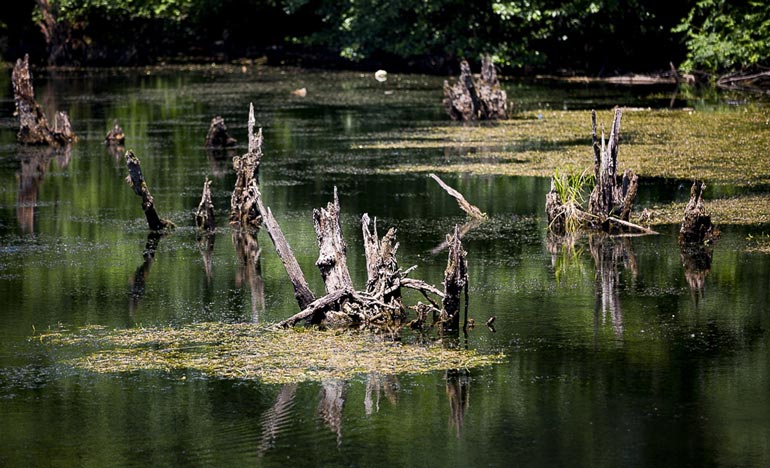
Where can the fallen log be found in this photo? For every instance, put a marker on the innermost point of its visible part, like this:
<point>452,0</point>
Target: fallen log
<point>243,207</point>
<point>33,124</point>
<point>482,100</point>
<point>218,136</point>
<point>204,217</point>
<point>332,257</point>
<point>302,291</point>
<point>136,180</point>
<point>315,312</point>
<point>464,205</point>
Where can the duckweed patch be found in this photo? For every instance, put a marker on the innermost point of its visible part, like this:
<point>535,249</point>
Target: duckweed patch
<point>722,146</point>
<point>252,352</point>
<point>744,210</point>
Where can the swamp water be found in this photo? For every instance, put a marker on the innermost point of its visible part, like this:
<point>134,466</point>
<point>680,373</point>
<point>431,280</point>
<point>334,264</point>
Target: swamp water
<point>613,355</point>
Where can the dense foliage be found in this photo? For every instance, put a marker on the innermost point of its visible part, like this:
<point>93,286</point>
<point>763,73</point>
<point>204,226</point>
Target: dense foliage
<point>593,36</point>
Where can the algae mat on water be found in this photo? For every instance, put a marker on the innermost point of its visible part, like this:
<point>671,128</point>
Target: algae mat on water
<point>725,146</point>
<point>252,352</point>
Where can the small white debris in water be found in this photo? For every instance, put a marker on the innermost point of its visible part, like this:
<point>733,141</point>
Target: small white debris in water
<point>380,75</point>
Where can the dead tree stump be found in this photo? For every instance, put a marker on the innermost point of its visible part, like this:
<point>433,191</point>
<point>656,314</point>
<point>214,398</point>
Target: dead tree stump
<point>332,258</point>
<point>243,203</point>
<point>383,276</point>
<point>697,227</point>
<point>482,100</point>
<point>136,180</point>
<point>115,137</point>
<point>204,217</point>
<point>33,124</point>
<point>218,136</point>
<point>455,282</point>
<point>610,199</point>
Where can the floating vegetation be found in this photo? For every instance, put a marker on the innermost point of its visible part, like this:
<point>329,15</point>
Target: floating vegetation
<point>721,147</point>
<point>744,210</point>
<point>252,352</point>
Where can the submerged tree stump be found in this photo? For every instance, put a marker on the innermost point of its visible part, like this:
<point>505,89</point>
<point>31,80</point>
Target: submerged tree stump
<point>470,100</point>
<point>455,282</point>
<point>115,137</point>
<point>204,217</point>
<point>332,257</point>
<point>136,180</point>
<point>610,199</point>
<point>33,124</point>
<point>218,136</point>
<point>243,202</point>
<point>697,227</point>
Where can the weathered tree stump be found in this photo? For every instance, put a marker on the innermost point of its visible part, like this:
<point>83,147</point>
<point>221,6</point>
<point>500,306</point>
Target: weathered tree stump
<point>33,124</point>
<point>136,180</point>
<point>332,257</point>
<point>243,202</point>
<point>482,100</point>
<point>455,282</point>
<point>204,217</point>
<point>609,199</point>
<point>697,227</point>
<point>115,137</point>
<point>218,136</point>
<point>383,275</point>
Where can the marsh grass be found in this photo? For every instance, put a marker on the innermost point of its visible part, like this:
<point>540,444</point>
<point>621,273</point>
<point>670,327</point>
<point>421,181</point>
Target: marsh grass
<point>251,352</point>
<point>571,188</point>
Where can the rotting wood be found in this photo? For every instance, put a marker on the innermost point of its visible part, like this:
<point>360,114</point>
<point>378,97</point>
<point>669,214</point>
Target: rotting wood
<point>136,180</point>
<point>116,136</point>
<point>482,100</point>
<point>243,207</point>
<point>218,135</point>
<point>464,205</point>
<point>383,274</point>
<point>455,281</point>
<point>332,257</point>
<point>302,291</point>
<point>608,198</point>
<point>315,311</point>
<point>204,217</point>
<point>34,128</point>
<point>697,227</point>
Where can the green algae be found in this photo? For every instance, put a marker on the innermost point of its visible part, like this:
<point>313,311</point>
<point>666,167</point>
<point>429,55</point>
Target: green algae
<point>727,146</point>
<point>252,352</point>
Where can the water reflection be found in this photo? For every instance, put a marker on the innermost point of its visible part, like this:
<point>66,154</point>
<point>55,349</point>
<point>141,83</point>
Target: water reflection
<point>458,392</point>
<point>220,160</point>
<point>277,418</point>
<point>609,253</point>
<point>250,270</point>
<point>696,260</point>
<point>205,241</point>
<point>139,280</point>
<point>332,401</point>
<point>376,384</point>
<point>34,166</point>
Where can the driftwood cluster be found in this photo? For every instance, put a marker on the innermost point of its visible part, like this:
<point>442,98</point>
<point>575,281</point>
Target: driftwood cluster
<point>481,99</point>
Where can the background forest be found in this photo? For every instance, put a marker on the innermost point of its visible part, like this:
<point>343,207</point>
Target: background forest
<point>596,37</point>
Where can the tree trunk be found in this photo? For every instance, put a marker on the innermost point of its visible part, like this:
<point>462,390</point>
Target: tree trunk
<point>608,198</point>
<point>218,136</point>
<point>243,206</point>
<point>697,227</point>
<point>204,217</point>
<point>136,181</point>
<point>455,282</point>
<point>115,137</point>
<point>332,258</point>
<point>302,291</point>
<point>33,124</point>
<point>383,275</point>
<point>482,100</point>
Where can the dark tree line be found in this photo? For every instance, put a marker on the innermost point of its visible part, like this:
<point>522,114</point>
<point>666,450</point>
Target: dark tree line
<point>600,37</point>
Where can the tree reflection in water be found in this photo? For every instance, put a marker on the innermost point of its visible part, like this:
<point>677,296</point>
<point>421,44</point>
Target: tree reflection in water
<point>34,166</point>
<point>696,260</point>
<point>458,393</point>
<point>609,254</point>
<point>332,401</point>
<point>276,419</point>
<point>250,270</point>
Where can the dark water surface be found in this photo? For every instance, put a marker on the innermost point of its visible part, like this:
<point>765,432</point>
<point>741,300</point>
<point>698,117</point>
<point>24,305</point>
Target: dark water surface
<point>616,356</point>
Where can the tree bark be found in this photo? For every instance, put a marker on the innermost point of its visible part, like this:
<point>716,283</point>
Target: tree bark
<point>697,227</point>
<point>243,207</point>
<point>482,100</point>
<point>136,181</point>
<point>455,282</point>
<point>315,312</point>
<point>332,258</point>
<point>33,124</point>
<point>204,217</point>
<point>383,275</point>
<point>218,136</point>
<point>302,291</point>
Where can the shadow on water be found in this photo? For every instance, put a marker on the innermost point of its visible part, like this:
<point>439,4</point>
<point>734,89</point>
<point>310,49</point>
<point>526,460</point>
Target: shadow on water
<point>139,280</point>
